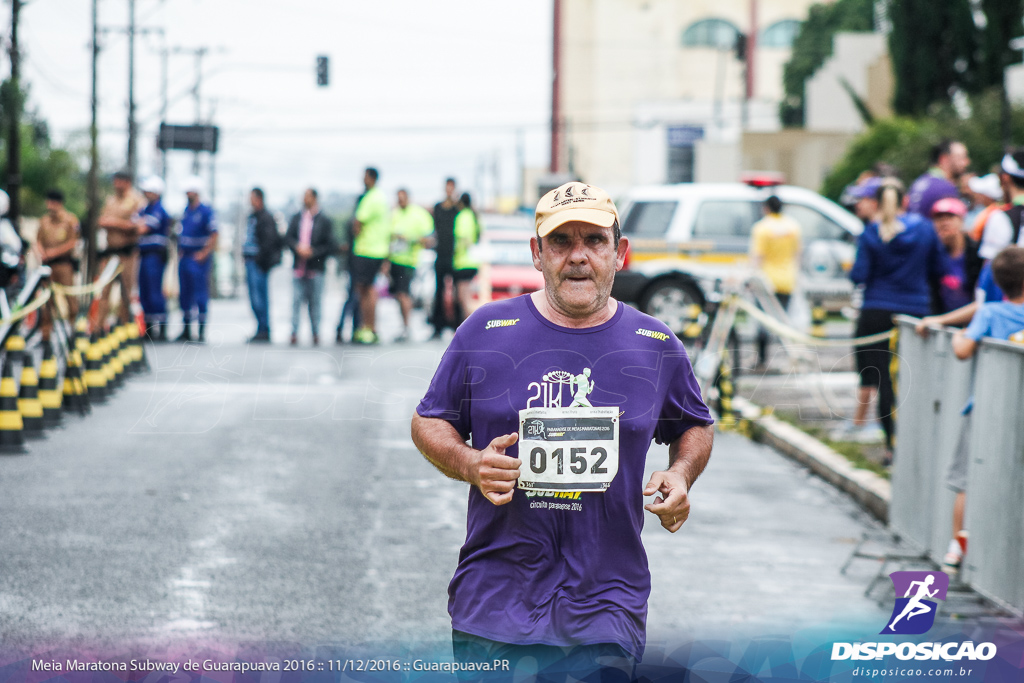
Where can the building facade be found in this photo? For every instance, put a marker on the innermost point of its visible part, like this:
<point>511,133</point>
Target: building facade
<point>652,91</point>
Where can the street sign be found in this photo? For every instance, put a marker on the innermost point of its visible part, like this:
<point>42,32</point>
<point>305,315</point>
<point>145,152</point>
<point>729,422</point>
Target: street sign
<point>192,138</point>
<point>322,71</point>
<point>684,136</point>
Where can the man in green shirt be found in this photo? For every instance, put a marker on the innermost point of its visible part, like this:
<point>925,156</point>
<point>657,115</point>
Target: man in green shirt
<point>373,237</point>
<point>411,228</point>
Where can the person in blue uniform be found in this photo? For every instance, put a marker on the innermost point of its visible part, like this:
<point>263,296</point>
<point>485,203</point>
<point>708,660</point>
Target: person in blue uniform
<point>197,239</point>
<point>153,237</point>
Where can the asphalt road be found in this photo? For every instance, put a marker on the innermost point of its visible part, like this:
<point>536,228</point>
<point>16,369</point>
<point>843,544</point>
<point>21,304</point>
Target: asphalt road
<point>264,494</point>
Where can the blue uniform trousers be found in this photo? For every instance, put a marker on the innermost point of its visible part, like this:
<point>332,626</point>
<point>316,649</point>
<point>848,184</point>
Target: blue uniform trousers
<point>151,285</point>
<point>194,281</point>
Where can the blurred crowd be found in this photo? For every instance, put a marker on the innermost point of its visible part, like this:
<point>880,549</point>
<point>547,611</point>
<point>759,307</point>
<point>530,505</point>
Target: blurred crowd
<point>380,247</point>
<point>949,252</point>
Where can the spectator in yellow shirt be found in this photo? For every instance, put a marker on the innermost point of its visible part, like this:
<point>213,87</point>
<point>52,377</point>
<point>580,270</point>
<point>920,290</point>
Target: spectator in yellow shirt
<point>775,251</point>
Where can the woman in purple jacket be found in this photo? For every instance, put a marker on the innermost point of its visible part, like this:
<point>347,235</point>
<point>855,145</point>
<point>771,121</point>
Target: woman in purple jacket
<point>897,257</point>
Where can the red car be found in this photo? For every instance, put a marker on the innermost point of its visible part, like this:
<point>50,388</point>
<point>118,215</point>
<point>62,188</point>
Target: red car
<point>506,248</point>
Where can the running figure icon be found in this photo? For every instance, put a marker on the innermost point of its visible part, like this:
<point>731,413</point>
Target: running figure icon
<point>584,386</point>
<point>914,606</point>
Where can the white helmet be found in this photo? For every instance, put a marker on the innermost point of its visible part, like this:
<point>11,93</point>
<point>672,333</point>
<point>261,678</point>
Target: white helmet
<point>193,184</point>
<point>152,184</point>
<point>5,202</point>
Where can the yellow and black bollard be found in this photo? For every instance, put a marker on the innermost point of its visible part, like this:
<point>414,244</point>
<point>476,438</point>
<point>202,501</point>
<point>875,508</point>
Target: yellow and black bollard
<point>692,329</point>
<point>12,438</point>
<point>109,370</point>
<point>95,376</point>
<point>49,395</point>
<point>138,349</point>
<point>124,354</point>
<point>818,316</point>
<point>127,349</point>
<point>77,361</point>
<point>726,392</point>
<point>29,405</point>
<point>68,387</point>
<point>74,375</point>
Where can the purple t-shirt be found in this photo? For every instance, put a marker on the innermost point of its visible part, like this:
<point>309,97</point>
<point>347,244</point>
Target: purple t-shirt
<point>952,291</point>
<point>560,568</point>
<point>928,189</point>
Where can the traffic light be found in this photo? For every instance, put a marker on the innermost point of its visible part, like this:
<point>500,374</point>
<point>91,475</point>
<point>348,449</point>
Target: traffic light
<point>321,70</point>
<point>741,46</point>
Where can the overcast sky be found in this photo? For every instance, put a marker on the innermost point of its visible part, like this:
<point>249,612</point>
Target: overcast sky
<point>422,89</point>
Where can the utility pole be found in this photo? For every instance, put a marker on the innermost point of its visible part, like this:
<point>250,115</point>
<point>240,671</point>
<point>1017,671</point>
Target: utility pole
<point>213,162</point>
<point>94,155</point>
<point>14,121</point>
<point>164,53</point>
<point>748,71</point>
<point>198,53</point>
<point>521,162</point>
<point>556,104</point>
<point>132,132</point>
<point>132,31</point>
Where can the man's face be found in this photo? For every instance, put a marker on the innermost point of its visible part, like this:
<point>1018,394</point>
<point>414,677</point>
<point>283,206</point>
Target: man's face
<point>52,205</point>
<point>449,189</point>
<point>866,208</point>
<point>403,199</point>
<point>958,159</point>
<point>308,200</point>
<point>122,185</point>
<point>256,201</point>
<point>368,180</point>
<point>151,196</point>
<point>948,225</point>
<point>193,197</point>
<point>579,261</point>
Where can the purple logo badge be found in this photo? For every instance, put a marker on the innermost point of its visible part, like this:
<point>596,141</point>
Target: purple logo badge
<point>916,593</point>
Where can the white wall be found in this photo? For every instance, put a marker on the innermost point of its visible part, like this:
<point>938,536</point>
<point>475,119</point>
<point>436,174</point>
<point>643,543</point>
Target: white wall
<point>829,106</point>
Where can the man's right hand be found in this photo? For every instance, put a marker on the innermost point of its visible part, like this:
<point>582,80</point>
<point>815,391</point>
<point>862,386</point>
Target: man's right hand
<point>495,473</point>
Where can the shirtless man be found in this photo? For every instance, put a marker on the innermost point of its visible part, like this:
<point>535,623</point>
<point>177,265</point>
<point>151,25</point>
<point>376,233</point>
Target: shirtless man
<point>55,242</point>
<point>120,219</point>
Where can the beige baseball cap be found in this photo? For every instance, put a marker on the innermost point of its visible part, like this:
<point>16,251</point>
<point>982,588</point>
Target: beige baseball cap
<point>574,201</point>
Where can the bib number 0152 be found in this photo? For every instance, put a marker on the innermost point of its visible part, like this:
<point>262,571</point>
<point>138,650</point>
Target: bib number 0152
<point>578,463</point>
<point>568,449</point>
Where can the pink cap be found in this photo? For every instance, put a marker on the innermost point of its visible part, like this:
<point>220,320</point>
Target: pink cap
<point>949,205</point>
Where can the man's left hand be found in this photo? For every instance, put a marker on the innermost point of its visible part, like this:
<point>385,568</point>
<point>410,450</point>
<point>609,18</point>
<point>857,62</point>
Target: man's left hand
<point>673,505</point>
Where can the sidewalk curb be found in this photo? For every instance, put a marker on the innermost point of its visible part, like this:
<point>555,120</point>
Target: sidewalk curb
<point>871,491</point>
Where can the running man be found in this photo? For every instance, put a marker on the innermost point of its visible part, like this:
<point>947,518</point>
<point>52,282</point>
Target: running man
<point>584,386</point>
<point>915,606</point>
<point>553,579</point>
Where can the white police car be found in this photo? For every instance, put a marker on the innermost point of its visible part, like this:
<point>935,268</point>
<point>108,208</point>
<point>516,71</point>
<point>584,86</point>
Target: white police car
<point>685,237</point>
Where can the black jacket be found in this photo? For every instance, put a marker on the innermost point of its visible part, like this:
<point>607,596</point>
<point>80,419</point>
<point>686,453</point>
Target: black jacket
<point>268,239</point>
<point>321,242</point>
<point>444,233</point>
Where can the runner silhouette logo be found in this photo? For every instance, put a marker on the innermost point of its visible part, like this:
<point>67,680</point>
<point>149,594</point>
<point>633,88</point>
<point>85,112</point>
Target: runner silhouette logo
<point>914,612</point>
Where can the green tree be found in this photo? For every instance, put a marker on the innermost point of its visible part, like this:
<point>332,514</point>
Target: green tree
<point>934,48</point>
<point>1004,21</point>
<point>813,45</point>
<point>906,142</point>
<point>43,165</point>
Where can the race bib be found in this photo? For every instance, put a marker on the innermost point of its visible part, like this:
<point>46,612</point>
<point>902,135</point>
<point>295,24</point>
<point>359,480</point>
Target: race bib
<point>568,449</point>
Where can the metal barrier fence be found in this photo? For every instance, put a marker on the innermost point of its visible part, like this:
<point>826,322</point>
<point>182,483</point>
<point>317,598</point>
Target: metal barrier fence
<point>995,483</point>
<point>933,388</point>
